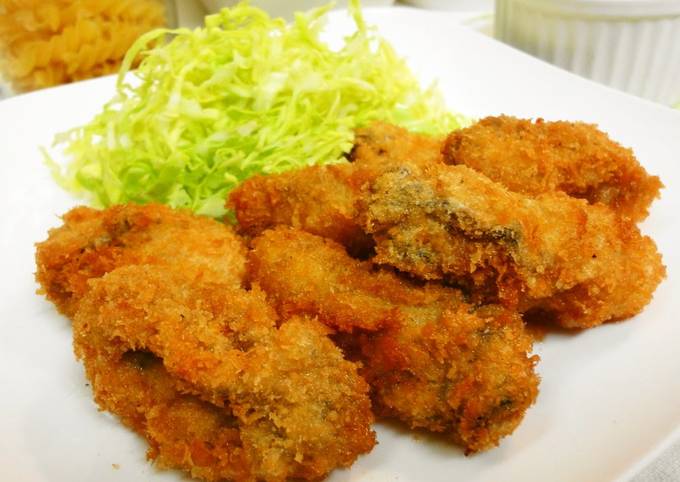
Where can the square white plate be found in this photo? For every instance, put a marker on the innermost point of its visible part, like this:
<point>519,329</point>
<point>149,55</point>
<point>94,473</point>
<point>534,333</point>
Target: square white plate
<point>609,397</point>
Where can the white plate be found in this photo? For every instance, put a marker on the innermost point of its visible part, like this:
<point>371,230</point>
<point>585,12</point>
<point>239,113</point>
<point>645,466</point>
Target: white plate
<point>609,396</point>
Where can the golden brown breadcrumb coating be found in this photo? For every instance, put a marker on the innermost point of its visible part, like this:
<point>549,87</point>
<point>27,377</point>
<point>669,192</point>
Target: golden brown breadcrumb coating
<point>529,158</point>
<point>318,199</point>
<point>379,144</point>
<point>303,273</point>
<point>92,242</point>
<point>228,395</point>
<point>553,255</point>
<point>432,361</point>
<point>182,353</point>
<point>572,157</point>
<point>549,254</point>
<point>321,199</point>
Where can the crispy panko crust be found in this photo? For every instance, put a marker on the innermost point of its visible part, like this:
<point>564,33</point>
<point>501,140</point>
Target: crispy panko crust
<point>553,255</point>
<point>183,354</point>
<point>304,273</point>
<point>529,158</point>
<point>572,157</point>
<point>321,199</point>
<point>435,363</point>
<point>92,242</point>
<point>380,144</point>
<point>228,395</point>
<point>318,199</point>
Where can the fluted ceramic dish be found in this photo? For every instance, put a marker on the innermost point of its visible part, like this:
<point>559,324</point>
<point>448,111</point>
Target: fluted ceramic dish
<point>632,45</point>
<point>610,396</point>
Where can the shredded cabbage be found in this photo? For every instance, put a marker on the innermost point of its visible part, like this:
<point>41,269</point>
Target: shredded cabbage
<point>246,94</point>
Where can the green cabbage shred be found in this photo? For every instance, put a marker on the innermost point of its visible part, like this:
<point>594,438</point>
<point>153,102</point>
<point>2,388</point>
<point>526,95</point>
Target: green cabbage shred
<point>246,94</point>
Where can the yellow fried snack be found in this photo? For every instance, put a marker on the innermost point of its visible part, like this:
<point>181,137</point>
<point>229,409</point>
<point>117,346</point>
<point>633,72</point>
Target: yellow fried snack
<point>200,370</point>
<point>51,42</point>
<point>432,360</point>
<point>572,157</point>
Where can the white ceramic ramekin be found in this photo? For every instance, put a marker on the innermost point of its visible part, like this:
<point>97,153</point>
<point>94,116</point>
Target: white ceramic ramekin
<point>632,45</point>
